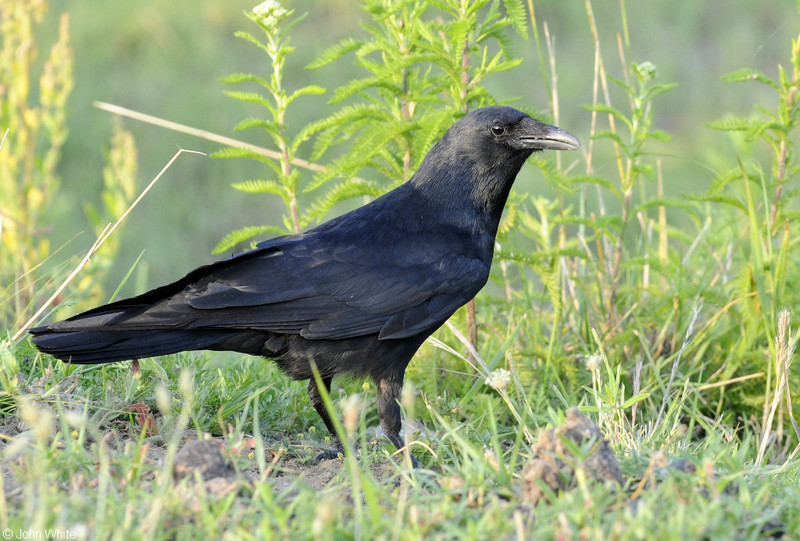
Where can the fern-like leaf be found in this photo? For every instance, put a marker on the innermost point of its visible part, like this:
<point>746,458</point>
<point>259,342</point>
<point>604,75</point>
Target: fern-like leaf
<point>731,123</point>
<point>245,78</point>
<point>672,202</point>
<point>659,135</point>
<point>249,123</point>
<point>603,108</point>
<point>238,152</point>
<point>241,235</point>
<point>250,97</point>
<point>335,52</point>
<point>727,200</point>
<point>748,74</point>
<point>518,16</point>
<point>261,186</point>
<point>341,192</point>
<point>310,90</point>
<point>656,90</point>
<point>354,87</point>
<point>247,36</point>
<point>369,144</point>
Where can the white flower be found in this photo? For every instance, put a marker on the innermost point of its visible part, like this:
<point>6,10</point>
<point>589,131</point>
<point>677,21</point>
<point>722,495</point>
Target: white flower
<point>499,379</point>
<point>593,363</point>
<point>270,12</point>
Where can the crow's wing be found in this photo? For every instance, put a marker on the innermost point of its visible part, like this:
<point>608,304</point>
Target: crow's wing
<point>318,286</point>
<point>325,290</point>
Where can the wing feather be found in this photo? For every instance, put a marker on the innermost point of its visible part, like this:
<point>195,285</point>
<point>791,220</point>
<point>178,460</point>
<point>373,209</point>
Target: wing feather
<point>322,298</point>
<point>366,273</point>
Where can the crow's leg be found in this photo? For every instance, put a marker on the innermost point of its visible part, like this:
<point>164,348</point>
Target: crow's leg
<point>389,412</point>
<point>316,400</point>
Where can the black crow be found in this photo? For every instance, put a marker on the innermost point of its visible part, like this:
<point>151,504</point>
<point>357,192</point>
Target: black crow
<point>356,295</point>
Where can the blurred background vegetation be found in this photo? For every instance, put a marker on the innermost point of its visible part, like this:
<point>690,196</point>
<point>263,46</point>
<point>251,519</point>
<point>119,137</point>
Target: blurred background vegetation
<point>166,59</point>
<point>664,314</point>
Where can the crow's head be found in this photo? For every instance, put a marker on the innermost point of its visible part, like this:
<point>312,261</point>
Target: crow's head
<point>479,157</point>
<point>500,130</point>
<point>496,140</point>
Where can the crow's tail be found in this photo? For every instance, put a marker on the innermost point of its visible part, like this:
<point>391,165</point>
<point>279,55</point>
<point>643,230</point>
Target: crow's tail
<point>158,322</point>
<point>94,346</point>
<point>132,329</point>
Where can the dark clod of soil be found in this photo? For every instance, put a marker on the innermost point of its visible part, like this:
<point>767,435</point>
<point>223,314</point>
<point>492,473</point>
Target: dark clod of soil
<point>204,456</point>
<point>219,478</point>
<point>554,464</point>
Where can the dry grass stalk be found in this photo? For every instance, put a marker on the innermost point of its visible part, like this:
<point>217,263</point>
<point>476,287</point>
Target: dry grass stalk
<point>99,242</point>
<point>784,349</point>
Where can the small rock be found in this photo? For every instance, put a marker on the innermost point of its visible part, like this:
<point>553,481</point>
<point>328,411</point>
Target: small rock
<point>549,450</point>
<point>204,456</point>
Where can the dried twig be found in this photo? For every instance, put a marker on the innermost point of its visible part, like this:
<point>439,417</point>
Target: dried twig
<point>99,242</point>
<point>203,134</point>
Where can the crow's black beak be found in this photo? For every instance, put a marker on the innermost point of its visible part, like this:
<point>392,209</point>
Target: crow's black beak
<point>537,135</point>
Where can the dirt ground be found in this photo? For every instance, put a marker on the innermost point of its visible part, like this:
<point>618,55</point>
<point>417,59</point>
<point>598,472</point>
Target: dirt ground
<point>209,460</point>
<point>224,469</point>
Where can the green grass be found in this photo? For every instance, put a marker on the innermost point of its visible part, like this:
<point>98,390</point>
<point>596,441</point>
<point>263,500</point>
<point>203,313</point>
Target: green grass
<point>76,459</point>
<point>642,281</point>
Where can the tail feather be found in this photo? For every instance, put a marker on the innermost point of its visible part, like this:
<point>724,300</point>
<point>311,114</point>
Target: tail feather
<point>106,346</point>
<point>158,322</point>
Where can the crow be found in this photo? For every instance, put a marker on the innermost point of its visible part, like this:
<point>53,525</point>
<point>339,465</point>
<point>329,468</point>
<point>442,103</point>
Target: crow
<point>356,295</point>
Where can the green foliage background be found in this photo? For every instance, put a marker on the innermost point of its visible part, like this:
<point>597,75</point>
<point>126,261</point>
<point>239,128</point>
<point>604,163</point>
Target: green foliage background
<point>647,286</point>
<point>166,59</point>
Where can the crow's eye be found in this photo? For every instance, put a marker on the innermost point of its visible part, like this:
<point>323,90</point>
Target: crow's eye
<point>498,129</point>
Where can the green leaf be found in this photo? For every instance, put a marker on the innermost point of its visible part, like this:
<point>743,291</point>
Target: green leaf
<point>288,26</point>
<point>758,127</point>
<point>659,135</point>
<point>356,86</point>
<point>363,150</point>
<point>302,136</point>
<point>238,152</point>
<point>245,78</point>
<point>343,191</point>
<point>553,175</point>
<point>730,123</point>
<point>672,202</point>
<point>261,186</point>
<point>536,259</point>
<point>634,399</point>
<point>599,181</point>
<point>342,124</point>
<point>732,201</point>
<point>747,74</point>
<point>335,52</point>
<point>250,97</point>
<point>305,91</point>
<point>518,16</point>
<point>240,235</point>
<point>719,182</point>
<point>249,123</point>
<point>607,134</point>
<point>619,82</point>
<point>603,108</point>
<point>656,90</point>
<point>252,39</point>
